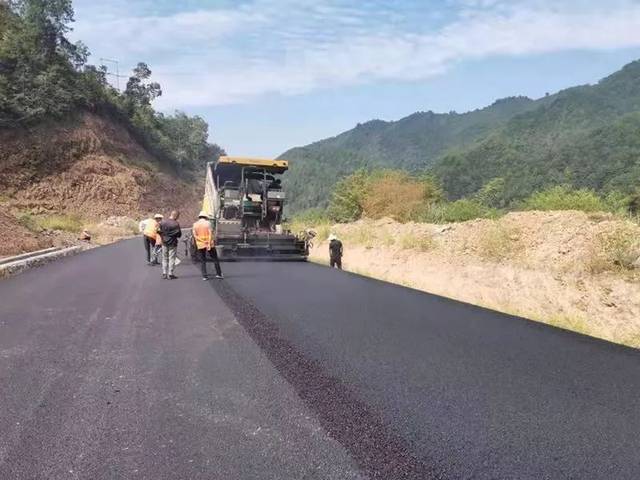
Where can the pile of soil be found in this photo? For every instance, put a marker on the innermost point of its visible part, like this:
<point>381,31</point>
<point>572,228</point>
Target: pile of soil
<point>17,238</point>
<point>89,166</point>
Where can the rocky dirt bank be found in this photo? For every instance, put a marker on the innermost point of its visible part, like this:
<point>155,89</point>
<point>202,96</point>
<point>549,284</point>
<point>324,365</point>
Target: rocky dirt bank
<point>87,170</point>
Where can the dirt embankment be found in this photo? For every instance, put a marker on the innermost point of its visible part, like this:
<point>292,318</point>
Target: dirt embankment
<point>568,269</point>
<point>89,168</point>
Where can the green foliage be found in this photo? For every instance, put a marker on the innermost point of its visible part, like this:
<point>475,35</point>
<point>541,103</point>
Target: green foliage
<point>492,194</point>
<point>412,144</point>
<point>29,221</point>
<point>43,75</point>
<point>565,198</point>
<point>67,223</point>
<point>348,197</point>
<point>615,249</point>
<point>458,211</point>
<point>586,137</point>
<point>312,216</point>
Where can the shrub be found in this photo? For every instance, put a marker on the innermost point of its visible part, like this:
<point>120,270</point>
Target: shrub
<point>496,242</point>
<point>29,221</point>
<point>364,235</point>
<point>411,241</point>
<point>312,216</point>
<point>383,193</point>
<point>565,198</point>
<point>67,223</point>
<point>393,194</point>
<point>458,211</point>
<point>348,196</point>
<point>614,250</point>
<point>492,194</point>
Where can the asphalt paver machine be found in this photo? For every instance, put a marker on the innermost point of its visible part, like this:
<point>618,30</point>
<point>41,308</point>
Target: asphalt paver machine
<point>245,200</point>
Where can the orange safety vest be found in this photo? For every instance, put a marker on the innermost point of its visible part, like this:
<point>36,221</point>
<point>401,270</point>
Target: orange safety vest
<point>202,234</point>
<point>151,228</point>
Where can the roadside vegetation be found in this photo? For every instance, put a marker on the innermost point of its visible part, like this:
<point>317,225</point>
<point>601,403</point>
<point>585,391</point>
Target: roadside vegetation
<point>405,198</point>
<point>38,223</point>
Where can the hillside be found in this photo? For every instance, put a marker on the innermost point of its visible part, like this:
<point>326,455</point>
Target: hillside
<point>88,167</point>
<point>561,138</point>
<point>586,136</point>
<point>75,152</point>
<point>411,143</point>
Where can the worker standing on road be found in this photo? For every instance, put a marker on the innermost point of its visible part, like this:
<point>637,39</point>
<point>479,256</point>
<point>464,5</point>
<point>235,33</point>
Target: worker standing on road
<point>148,228</point>
<point>203,236</point>
<point>156,255</point>
<point>335,252</point>
<point>170,232</point>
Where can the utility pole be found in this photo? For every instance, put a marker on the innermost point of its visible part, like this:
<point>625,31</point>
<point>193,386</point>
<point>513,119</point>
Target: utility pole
<point>117,74</point>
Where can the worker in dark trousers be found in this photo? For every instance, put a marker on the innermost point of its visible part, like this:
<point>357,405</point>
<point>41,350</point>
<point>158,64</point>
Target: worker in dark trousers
<point>149,228</point>
<point>335,252</point>
<point>203,236</point>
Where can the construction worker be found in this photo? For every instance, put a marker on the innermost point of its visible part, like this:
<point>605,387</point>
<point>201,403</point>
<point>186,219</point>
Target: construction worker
<point>170,232</point>
<point>335,252</point>
<point>156,255</point>
<point>149,229</point>
<point>203,236</point>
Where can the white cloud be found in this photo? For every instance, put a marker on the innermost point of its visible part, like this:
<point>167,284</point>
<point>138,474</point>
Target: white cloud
<point>210,57</point>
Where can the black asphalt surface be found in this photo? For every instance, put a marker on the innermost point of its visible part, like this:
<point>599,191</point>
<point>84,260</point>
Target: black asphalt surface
<point>109,372</point>
<point>467,392</point>
<point>293,370</point>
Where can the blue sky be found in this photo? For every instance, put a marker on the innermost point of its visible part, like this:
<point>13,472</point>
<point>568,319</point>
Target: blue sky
<point>271,74</point>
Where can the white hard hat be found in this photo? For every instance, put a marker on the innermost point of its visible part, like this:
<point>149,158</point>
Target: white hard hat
<point>203,214</point>
<point>332,237</point>
<point>158,215</point>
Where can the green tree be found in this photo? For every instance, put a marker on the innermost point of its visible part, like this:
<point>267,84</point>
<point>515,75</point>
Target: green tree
<point>137,91</point>
<point>348,197</point>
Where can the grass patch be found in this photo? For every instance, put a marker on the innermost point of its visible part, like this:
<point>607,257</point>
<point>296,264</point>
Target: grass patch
<point>412,241</point>
<point>614,250</point>
<point>29,221</point>
<point>66,223</point>
<point>497,242</point>
<point>364,235</point>
<point>458,211</point>
<point>570,322</point>
<point>565,198</point>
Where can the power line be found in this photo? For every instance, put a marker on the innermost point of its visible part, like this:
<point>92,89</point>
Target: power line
<point>117,74</point>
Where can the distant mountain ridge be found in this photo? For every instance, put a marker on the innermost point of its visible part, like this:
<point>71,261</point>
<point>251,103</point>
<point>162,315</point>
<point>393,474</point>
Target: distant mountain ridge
<point>530,143</point>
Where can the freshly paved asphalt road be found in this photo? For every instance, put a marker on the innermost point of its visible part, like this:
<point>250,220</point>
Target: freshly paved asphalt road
<point>292,370</point>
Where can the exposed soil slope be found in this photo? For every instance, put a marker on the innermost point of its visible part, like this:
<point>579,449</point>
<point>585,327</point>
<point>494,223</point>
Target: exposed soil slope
<point>561,268</point>
<point>90,167</point>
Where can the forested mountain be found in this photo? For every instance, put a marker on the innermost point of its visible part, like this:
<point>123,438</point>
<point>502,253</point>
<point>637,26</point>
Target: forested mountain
<point>585,136</point>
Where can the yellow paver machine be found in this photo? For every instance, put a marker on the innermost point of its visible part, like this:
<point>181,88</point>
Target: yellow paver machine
<point>245,199</point>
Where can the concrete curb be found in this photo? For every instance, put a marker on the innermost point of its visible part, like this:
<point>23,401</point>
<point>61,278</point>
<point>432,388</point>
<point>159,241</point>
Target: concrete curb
<point>24,256</point>
<point>20,264</point>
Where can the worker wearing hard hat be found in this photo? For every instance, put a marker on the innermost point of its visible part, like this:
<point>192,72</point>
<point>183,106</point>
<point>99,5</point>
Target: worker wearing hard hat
<point>149,230</point>
<point>335,252</point>
<point>203,237</point>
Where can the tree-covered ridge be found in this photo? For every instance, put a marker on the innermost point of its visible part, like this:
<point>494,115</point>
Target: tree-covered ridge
<point>584,137</point>
<point>43,76</point>
<point>411,143</point>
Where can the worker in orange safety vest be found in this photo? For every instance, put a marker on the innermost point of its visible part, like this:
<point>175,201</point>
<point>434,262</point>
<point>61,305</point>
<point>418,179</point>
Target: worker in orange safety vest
<point>149,230</point>
<point>203,237</point>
